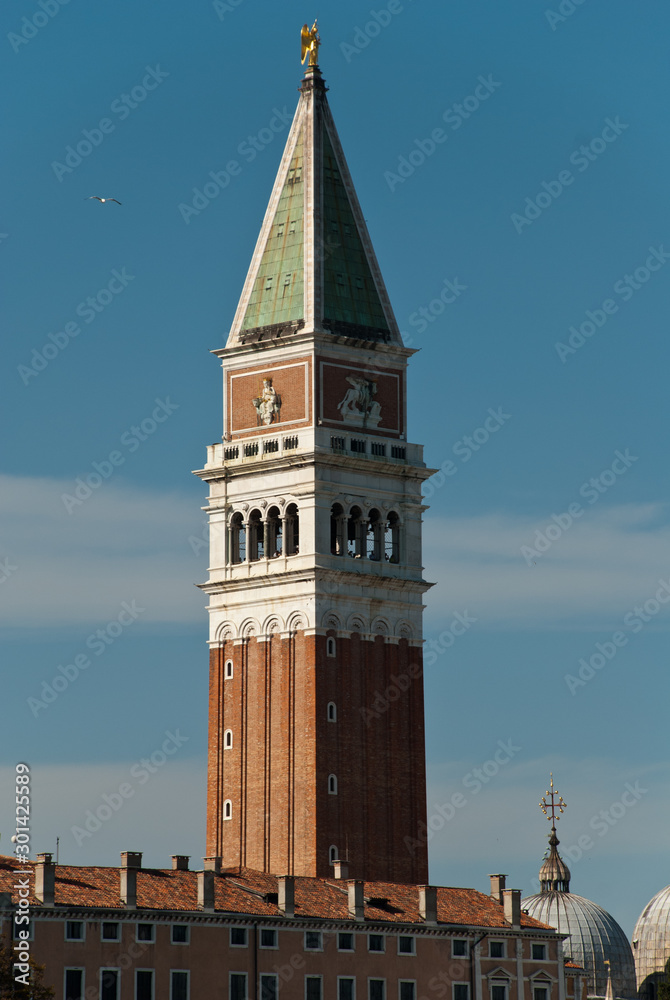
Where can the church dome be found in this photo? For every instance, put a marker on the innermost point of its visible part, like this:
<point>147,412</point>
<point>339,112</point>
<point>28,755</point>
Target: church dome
<point>595,940</point>
<point>651,941</point>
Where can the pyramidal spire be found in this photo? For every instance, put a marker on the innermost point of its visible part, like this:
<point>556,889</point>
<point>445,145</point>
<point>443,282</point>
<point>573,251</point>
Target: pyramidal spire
<point>314,268</point>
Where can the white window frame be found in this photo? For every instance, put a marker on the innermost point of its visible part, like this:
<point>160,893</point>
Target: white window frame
<point>413,982</point>
<point>110,968</point>
<point>246,981</point>
<point>375,951</point>
<point>411,953</point>
<point>320,947</point>
<point>117,924</point>
<point>268,947</point>
<point>188,982</point>
<point>462,983</point>
<point>544,986</point>
<point>504,983</point>
<point>75,968</point>
<point>75,940</point>
<point>228,670</point>
<point>347,951</point>
<point>228,739</point>
<point>180,944</point>
<point>377,979</point>
<point>538,944</point>
<point>351,979</point>
<point>498,941</point>
<point>246,937</point>
<point>153,982</point>
<point>466,953</point>
<point>228,810</point>
<point>152,939</point>
<point>272,975</point>
<point>309,975</point>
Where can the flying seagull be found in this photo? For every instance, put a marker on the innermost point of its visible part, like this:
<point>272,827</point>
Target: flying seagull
<point>94,197</point>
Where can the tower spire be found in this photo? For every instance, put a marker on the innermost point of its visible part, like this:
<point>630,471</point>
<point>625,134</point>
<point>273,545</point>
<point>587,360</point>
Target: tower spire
<point>554,873</point>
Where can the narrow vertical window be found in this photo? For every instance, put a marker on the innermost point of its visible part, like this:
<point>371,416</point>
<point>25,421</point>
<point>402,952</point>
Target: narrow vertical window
<point>332,784</point>
<point>109,984</point>
<point>238,986</point>
<point>332,711</point>
<point>179,985</point>
<point>256,548</point>
<point>74,984</point>
<point>268,986</point>
<point>392,539</point>
<point>228,739</point>
<point>355,536</point>
<point>292,530</point>
<point>330,646</point>
<point>337,530</point>
<point>275,541</point>
<point>228,809</point>
<point>238,547</point>
<point>228,670</point>
<point>374,536</point>
<point>144,984</point>
<point>332,854</point>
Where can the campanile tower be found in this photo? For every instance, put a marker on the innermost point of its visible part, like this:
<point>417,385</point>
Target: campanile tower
<point>316,721</point>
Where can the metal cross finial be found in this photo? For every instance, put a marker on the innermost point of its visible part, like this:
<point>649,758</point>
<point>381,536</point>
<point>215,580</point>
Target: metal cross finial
<point>551,801</point>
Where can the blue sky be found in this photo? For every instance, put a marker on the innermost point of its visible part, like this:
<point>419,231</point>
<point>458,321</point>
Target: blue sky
<point>572,110</point>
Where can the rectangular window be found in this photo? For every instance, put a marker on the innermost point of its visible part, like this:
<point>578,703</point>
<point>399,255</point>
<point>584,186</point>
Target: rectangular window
<point>144,984</point>
<point>268,938</point>
<point>313,941</point>
<point>538,952</point>
<point>312,987</point>
<point>178,985</point>
<point>376,942</point>
<point>459,948</point>
<point>268,987</point>
<point>496,949</point>
<point>109,984</point>
<point>238,937</point>
<point>109,931</point>
<point>74,984</point>
<point>23,928</point>
<point>180,933</point>
<point>461,991</point>
<point>238,986</point>
<point>540,993</point>
<point>145,932</point>
<point>376,989</point>
<point>74,930</point>
<point>406,945</point>
<point>345,941</point>
<point>498,992</point>
<point>346,988</point>
<point>406,989</point>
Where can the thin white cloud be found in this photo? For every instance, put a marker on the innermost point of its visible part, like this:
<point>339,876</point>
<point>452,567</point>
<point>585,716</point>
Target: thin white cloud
<point>604,564</point>
<point>122,543</point>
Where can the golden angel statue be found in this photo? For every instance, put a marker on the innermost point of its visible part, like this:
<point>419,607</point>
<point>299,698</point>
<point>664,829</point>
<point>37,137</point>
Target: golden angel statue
<point>309,42</point>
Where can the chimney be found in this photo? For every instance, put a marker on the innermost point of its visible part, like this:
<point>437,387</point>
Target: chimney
<point>206,890</point>
<point>497,886</point>
<point>130,862</point>
<point>286,895</point>
<point>212,864</point>
<point>45,879</point>
<point>512,906</point>
<point>428,903</point>
<point>356,900</point>
<point>341,869</point>
<point>180,862</point>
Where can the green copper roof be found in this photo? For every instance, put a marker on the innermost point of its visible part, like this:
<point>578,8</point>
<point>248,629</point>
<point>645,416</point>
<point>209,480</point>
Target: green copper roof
<point>277,295</point>
<point>349,290</point>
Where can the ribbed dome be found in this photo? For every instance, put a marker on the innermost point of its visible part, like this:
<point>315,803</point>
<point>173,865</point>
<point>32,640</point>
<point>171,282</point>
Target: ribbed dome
<point>651,939</point>
<point>595,938</point>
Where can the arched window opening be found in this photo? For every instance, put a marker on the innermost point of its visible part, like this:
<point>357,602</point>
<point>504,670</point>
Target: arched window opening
<point>228,809</point>
<point>332,784</point>
<point>332,711</point>
<point>337,530</point>
<point>228,739</point>
<point>228,671</point>
<point>330,646</point>
<point>256,547</point>
<point>332,854</point>
<point>238,539</point>
<point>392,538</point>
<point>274,532</point>
<point>292,530</point>
<point>355,533</point>
<point>375,534</point>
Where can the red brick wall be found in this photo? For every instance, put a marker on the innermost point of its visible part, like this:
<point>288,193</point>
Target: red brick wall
<point>284,749</point>
<point>288,380</point>
<point>333,386</point>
